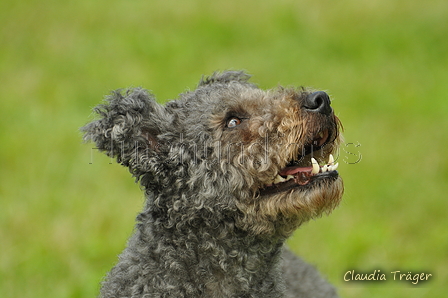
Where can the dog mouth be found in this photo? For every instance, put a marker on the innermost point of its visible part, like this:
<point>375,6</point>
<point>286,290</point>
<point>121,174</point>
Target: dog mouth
<point>304,170</point>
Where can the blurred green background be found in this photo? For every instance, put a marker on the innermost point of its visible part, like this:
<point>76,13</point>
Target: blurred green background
<point>385,63</point>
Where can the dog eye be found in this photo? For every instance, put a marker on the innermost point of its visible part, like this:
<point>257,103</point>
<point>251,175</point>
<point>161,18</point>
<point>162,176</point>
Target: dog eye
<point>233,122</point>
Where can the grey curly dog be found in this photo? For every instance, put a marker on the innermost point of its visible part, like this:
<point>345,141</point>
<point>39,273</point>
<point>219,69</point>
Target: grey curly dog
<point>229,171</point>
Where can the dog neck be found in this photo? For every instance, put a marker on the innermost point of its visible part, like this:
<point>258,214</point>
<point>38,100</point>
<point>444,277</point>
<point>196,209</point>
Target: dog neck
<point>215,254</point>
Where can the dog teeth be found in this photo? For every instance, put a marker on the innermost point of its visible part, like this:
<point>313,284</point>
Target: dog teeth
<point>331,166</point>
<point>316,167</point>
<point>279,179</point>
<point>334,167</point>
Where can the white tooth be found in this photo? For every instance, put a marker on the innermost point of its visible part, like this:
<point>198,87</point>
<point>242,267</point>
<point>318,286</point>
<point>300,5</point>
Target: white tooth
<point>289,177</point>
<point>335,166</point>
<point>279,179</point>
<point>331,160</point>
<point>316,166</point>
<point>324,168</point>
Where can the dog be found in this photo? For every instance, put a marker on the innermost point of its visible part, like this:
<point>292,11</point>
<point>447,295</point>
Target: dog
<point>229,172</point>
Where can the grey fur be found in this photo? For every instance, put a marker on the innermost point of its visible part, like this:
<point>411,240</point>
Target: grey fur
<point>202,232</point>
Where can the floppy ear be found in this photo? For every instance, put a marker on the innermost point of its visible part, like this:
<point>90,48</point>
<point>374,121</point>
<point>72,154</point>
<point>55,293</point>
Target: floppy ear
<point>128,128</point>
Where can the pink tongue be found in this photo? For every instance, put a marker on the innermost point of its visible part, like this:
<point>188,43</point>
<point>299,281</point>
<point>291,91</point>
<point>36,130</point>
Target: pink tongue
<point>294,170</point>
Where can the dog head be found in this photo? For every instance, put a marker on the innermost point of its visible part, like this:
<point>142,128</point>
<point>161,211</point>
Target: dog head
<point>228,151</point>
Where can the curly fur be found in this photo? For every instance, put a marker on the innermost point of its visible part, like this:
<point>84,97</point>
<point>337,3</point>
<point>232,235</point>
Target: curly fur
<point>208,228</point>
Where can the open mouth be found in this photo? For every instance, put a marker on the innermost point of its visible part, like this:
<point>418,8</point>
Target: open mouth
<point>304,170</point>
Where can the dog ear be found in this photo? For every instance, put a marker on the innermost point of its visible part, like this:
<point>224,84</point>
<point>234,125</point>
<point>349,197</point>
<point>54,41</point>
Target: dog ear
<point>128,127</point>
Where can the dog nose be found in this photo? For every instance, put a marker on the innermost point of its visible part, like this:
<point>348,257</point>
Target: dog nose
<point>318,102</point>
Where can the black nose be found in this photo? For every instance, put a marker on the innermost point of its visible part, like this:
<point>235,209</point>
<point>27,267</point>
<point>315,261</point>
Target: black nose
<point>318,102</point>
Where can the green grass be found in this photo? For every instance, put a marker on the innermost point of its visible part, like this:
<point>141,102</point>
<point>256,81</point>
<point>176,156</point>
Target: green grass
<point>63,220</point>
